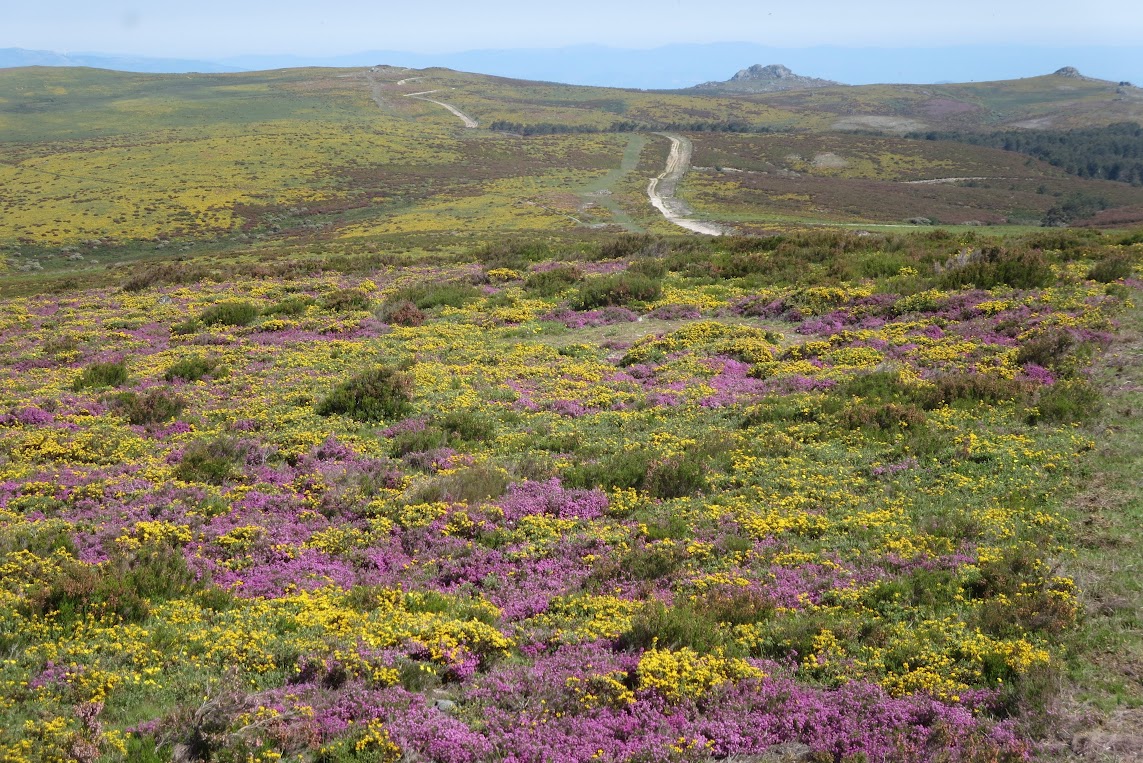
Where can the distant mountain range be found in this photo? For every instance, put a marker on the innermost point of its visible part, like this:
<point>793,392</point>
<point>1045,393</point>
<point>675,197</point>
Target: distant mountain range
<point>10,57</point>
<point>671,66</point>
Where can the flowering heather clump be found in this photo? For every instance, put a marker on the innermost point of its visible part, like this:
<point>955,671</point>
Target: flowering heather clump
<point>819,522</point>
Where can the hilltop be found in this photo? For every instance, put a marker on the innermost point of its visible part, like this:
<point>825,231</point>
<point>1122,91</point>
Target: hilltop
<point>764,79</point>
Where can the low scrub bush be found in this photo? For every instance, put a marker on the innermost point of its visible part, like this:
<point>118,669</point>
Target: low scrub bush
<point>102,375</point>
<point>993,266</point>
<point>233,313</point>
<point>619,289</point>
<point>183,328</point>
<point>735,605</point>
<point>377,394</point>
<point>985,388</point>
<point>676,477</point>
<point>1072,401</point>
<point>150,407</point>
<point>652,267</point>
<point>884,386</point>
<point>467,426</point>
<point>213,462</point>
<point>346,300</point>
<point>192,368</point>
<point>402,312</point>
<point>627,469</point>
<point>126,587</point>
<point>681,626</point>
<point>295,305</point>
<point>164,274</point>
<point>1111,269</point>
<point>473,484</point>
<point>549,283</point>
<point>426,296</point>
<point>418,441</point>
<point>1054,349</point>
<point>516,255</point>
<point>886,417</point>
<point>627,245</point>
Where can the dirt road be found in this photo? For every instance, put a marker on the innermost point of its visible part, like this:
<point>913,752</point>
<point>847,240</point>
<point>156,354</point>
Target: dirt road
<point>469,122</point>
<point>661,190</point>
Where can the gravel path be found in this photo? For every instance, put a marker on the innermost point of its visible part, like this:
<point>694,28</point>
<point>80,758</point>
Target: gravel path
<point>469,122</point>
<point>661,190</point>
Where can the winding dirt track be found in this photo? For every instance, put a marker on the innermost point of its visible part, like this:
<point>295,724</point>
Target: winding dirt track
<point>469,122</point>
<point>661,190</point>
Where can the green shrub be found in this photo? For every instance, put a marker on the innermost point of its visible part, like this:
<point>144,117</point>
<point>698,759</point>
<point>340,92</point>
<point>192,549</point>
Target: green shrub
<point>995,266</point>
<point>426,296</point>
<point>627,469</point>
<point>882,386</point>
<point>418,441</point>
<point>473,484</point>
<point>468,426</point>
<point>1054,349</point>
<point>734,605</point>
<point>676,477</point>
<point>295,305</point>
<point>881,264</point>
<point>887,387</point>
<point>102,375</point>
<point>514,254</point>
<point>346,300</point>
<point>402,312</point>
<point>673,628</point>
<point>192,368</point>
<point>1111,269</point>
<point>165,273</point>
<point>987,388</point>
<point>619,289</point>
<point>60,344</point>
<point>652,267</point>
<point>211,461</point>
<point>150,407</point>
<point>377,394</point>
<point>125,587</point>
<point>183,328</point>
<point>627,245</point>
<point>549,283</point>
<point>1071,401</point>
<point>233,313</point>
<point>884,417</point>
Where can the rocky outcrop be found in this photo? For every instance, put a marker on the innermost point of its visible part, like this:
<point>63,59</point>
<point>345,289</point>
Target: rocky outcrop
<point>1068,71</point>
<point>764,79</point>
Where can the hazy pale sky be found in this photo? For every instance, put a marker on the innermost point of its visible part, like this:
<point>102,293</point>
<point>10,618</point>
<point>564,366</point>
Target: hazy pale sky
<point>217,28</point>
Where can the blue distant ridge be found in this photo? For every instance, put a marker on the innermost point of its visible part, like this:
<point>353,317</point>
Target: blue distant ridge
<point>673,66</point>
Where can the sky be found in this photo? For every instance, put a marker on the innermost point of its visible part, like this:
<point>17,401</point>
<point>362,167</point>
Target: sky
<point>212,29</point>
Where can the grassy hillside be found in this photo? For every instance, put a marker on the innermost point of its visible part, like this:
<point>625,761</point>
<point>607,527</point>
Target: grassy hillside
<point>851,178</point>
<point>627,500</point>
<point>127,157</point>
<point>92,159</point>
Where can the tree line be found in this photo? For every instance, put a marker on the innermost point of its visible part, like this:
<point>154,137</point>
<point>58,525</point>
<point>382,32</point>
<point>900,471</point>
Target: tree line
<point>552,128</point>
<point>1114,152</point>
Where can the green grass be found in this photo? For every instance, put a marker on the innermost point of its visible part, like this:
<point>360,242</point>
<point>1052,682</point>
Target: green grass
<point>1102,698</point>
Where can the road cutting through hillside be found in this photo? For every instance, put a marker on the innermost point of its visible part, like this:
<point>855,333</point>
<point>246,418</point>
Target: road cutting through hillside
<point>661,190</point>
<point>469,122</point>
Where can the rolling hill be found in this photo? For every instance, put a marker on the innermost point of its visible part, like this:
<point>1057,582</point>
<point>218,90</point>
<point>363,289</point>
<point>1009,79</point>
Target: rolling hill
<point>98,158</point>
